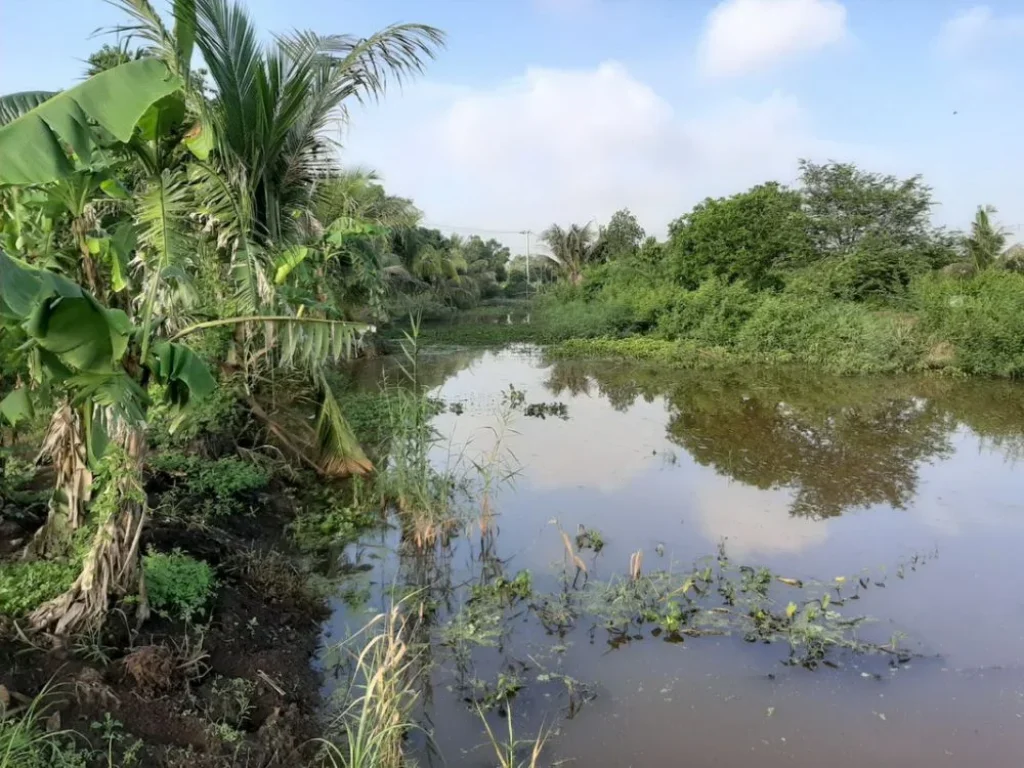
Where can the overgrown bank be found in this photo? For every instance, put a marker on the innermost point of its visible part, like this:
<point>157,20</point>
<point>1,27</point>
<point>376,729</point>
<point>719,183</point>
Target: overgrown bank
<point>845,273</point>
<point>222,673</point>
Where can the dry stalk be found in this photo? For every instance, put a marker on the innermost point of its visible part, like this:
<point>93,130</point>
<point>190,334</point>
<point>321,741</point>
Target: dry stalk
<point>636,564</point>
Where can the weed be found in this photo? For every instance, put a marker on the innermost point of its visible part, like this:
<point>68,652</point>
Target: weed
<point>543,410</point>
<point>371,728</point>
<point>273,575</point>
<point>502,590</point>
<point>422,495</point>
<point>508,752</point>
<point>209,489</point>
<point>25,586</point>
<point>589,538</point>
<point>89,645</point>
<point>333,516</point>
<point>177,585</point>
<point>26,742</point>
<point>111,731</point>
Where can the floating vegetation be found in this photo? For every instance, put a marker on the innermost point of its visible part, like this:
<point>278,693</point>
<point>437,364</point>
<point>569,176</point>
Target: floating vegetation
<point>515,399</point>
<point>503,591</point>
<point>543,410</point>
<point>589,538</point>
<point>717,597</point>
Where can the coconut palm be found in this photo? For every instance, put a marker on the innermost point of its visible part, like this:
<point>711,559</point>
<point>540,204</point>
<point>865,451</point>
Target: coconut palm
<point>573,248</point>
<point>273,103</point>
<point>357,194</point>
<point>986,242</point>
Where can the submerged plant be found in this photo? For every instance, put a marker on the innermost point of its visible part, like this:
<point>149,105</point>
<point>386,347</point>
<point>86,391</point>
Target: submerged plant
<point>508,752</point>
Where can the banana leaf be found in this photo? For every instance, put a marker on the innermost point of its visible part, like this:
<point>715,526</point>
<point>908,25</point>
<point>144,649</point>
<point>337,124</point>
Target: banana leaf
<point>32,146</point>
<point>182,372</point>
<point>16,406</point>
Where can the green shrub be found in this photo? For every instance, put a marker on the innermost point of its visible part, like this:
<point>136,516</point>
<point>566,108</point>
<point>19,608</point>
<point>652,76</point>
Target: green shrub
<point>214,420</point>
<point>24,586</point>
<point>841,337</point>
<point>981,319</point>
<point>210,488</point>
<point>747,237</point>
<point>712,314</point>
<point>177,585</point>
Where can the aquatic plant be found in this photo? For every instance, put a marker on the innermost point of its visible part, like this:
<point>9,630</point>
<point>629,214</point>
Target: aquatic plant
<point>508,752</point>
<point>370,730</point>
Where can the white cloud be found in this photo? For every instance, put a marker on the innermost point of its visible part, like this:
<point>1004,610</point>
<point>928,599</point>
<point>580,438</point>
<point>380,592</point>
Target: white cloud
<point>971,29</point>
<point>576,145</point>
<point>744,36</point>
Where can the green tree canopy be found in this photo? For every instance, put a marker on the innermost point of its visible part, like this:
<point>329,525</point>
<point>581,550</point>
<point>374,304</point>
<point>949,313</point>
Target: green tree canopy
<point>750,236</point>
<point>622,236</point>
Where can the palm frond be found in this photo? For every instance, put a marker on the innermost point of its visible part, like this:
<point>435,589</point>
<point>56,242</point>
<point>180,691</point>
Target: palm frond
<point>14,105</point>
<point>339,452</point>
<point>147,26</point>
<point>229,43</point>
<point>165,247</point>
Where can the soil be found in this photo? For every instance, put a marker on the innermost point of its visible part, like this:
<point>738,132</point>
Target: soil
<point>165,683</point>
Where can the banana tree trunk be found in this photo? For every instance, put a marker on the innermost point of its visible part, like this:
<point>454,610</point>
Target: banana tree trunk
<point>112,568</point>
<point>65,448</point>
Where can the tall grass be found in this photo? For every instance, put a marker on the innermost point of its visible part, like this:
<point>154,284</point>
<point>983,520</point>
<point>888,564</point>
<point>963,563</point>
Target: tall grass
<point>25,742</point>
<point>370,731</point>
<point>422,495</point>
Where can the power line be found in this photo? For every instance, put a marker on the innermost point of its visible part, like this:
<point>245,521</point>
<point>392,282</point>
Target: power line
<point>434,225</point>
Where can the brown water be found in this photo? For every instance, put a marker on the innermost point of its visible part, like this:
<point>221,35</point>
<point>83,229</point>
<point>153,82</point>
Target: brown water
<point>814,477</point>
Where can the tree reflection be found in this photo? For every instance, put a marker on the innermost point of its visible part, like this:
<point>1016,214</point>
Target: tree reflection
<point>837,443</point>
<point>834,459</point>
<point>432,369</point>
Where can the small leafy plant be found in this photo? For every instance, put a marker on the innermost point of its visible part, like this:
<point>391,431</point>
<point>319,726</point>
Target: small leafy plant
<point>211,489</point>
<point>24,586</point>
<point>178,586</point>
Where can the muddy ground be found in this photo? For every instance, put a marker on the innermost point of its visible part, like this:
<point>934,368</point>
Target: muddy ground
<point>238,690</point>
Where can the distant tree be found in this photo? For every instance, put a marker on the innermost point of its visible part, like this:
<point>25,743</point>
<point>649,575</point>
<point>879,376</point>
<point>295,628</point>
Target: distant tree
<point>751,236</point>
<point>572,249</point>
<point>987,240</point>
<point>357,193</point>
<point>110,56</point>
<point>651,251</point>
<point>542,269</point>
<point>845,205</point>
<point>622,236</point>
<point>872,231</point>
<point>487,256</point>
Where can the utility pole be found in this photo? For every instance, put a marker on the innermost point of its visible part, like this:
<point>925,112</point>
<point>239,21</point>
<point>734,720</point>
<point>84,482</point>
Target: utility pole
<point>527,232</point>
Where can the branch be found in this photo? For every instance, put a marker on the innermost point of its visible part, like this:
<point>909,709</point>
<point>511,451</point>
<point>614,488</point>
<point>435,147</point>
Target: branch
<point>267,319</point>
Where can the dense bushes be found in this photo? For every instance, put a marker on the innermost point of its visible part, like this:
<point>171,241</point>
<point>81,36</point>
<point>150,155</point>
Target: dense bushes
<point>974,326</point>
<point>751,237</point>
<point>980,321</point>
<point>177,585</point>
<point>845,273</point>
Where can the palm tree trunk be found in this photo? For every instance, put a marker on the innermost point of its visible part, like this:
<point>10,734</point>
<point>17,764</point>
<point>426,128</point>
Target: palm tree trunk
<point>113,565</point>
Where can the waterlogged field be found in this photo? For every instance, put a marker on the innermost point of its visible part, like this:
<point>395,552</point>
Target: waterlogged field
<point>651,568</point>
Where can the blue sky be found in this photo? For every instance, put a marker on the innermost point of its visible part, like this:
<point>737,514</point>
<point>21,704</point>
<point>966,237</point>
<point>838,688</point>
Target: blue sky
<point>545,110</point>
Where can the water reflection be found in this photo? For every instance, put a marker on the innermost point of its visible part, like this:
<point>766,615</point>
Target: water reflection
<point>838,444</point>
<point>776,462</point>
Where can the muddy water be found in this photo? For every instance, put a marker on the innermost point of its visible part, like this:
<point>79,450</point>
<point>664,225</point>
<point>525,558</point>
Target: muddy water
<point>916,483</point>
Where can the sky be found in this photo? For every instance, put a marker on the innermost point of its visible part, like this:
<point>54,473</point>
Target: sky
<point>542,111</point>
